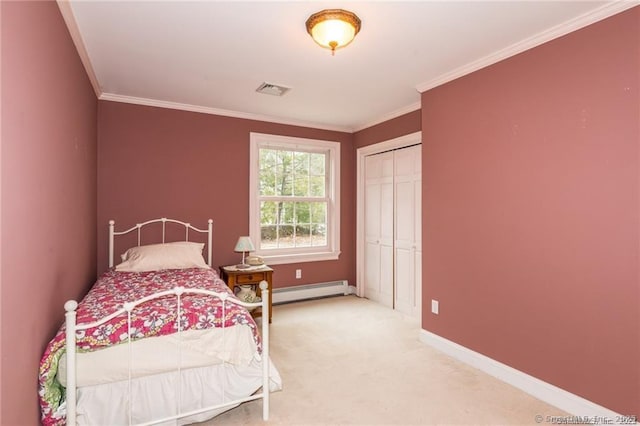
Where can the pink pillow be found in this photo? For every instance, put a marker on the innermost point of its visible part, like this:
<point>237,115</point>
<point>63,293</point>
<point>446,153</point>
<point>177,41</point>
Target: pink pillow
<point>154,257</point>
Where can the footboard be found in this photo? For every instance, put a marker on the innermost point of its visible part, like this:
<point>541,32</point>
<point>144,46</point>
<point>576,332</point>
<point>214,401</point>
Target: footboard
<point>72,328</point>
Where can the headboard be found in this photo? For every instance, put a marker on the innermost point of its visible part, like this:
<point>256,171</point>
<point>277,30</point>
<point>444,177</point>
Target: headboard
<point>164,220</point>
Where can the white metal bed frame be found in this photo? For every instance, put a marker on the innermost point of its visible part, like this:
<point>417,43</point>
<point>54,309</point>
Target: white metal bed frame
<point>71,329</point>
<point>164,220</point>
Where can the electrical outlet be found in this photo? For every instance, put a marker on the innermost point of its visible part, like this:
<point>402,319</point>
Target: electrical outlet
<point>435,306</point>
<point>298,274</point>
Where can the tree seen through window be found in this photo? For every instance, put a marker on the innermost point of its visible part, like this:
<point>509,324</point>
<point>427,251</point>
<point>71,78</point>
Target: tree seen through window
<point>292,195</point>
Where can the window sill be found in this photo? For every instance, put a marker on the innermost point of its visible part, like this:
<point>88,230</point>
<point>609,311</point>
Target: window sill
<point>299,258</point>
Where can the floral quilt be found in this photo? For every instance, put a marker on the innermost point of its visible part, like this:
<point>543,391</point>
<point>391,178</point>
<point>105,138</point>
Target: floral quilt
<point>154,318</point>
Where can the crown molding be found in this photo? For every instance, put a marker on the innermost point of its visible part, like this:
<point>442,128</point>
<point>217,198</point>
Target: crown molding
<point>70,20</point>
<point>560,30</point>
<point>250,116</point>
<point>397,113</point>
<point>216,111</point>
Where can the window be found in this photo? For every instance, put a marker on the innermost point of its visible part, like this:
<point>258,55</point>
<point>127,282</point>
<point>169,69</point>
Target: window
<point>294,198</point>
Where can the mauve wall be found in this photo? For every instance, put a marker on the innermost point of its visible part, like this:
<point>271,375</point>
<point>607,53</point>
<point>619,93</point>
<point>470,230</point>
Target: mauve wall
<point>156,162</point>
<point>531,212</point>
<point>390,129</point>
<point>49,114</point>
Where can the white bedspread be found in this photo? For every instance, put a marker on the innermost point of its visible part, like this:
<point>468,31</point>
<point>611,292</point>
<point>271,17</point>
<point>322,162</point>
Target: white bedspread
<point>192,348</point>
<point>156,397</point>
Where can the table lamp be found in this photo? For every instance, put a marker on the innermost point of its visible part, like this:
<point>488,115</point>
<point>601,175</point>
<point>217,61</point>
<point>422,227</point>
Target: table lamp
<point>244,245</point>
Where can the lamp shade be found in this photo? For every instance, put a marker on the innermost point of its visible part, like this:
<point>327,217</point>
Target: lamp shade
<point>333,28</point>
<point>244,244</point>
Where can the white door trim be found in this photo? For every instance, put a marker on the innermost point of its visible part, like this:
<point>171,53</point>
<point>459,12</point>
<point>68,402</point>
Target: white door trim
<point>399,142</point>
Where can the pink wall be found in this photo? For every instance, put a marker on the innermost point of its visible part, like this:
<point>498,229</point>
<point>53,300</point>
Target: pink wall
<point>155,162</point>
<point>531,200</point>
<point>390,129</point>
<point>48,192</point>
<point>531,212</point>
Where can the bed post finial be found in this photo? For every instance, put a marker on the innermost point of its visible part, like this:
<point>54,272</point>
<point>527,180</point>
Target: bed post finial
<point>70,305</point>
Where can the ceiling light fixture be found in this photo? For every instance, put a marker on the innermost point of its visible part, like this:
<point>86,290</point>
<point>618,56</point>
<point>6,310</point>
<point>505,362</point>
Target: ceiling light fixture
<point>333,28</point>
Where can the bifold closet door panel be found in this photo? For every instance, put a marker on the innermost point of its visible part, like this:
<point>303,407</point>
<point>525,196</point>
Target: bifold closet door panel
<point>379,228</point>
<point>407,199</point>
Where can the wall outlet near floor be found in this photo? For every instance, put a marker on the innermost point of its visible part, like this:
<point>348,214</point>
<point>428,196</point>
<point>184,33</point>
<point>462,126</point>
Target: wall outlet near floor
<point>298,274</point>
<point>435,306</point>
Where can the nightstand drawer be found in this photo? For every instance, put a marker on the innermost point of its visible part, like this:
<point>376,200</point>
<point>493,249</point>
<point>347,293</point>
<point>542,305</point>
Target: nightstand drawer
<point>250,278</point>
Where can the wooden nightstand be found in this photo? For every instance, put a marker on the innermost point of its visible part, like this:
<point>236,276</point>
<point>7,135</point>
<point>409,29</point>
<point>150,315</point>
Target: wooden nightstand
<point>234,277</point>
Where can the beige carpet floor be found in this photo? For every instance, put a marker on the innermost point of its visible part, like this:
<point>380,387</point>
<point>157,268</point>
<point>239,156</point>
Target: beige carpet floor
<point>349,361</point>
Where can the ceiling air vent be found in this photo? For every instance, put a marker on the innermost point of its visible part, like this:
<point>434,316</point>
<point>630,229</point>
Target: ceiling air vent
<point>272,89</point>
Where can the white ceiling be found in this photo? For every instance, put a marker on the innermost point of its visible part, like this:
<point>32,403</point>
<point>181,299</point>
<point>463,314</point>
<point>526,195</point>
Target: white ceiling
<point>210,56</point>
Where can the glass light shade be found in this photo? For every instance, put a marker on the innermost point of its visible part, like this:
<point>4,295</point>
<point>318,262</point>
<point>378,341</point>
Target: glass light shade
<point>333,28</point>
<point>244,244</point>
<point>333,33</point>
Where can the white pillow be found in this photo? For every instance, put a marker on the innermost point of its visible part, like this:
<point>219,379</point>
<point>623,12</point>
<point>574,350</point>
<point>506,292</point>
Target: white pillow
<point>153,257</point>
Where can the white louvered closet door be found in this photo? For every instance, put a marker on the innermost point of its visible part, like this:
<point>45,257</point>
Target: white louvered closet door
<point>392,218</point>
<point>378,212</point>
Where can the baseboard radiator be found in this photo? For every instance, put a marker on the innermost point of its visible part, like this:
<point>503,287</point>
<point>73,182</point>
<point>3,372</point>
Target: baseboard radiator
<point>312,291</point>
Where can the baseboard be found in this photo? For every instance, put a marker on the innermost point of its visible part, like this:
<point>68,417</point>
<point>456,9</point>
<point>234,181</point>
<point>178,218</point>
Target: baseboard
<point>544,391</point>
<point>312,291</point>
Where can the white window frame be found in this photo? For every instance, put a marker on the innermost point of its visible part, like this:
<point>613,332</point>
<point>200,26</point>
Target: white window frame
<point>296,254</point>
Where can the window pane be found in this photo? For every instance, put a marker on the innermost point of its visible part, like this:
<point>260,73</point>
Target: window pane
<point>301,186</point>
<point>267,177</point>
<point>317,164</point>
<point>303,236</point>
<point>301,163</point>
<point>268,237</point>
<point>285,212</point>
<point>318,212</point>
<point>286,236</point>
<point>318,235</point>
<point>316,186</point>
<point>268,213</point>
<point>284,173</point>
<point>303,214</point>
<point>268,227</point>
